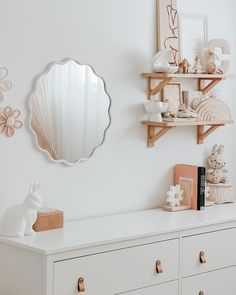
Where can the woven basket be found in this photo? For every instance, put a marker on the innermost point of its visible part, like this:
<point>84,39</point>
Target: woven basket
<point>221,193</point>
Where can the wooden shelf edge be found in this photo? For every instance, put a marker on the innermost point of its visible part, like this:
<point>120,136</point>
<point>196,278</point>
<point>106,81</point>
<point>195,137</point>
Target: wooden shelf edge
<point>164,127</point>
<point>186,76</point>
<point>185,123</point>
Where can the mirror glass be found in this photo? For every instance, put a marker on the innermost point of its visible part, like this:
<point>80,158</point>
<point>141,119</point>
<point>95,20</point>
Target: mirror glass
<point>69,111</point>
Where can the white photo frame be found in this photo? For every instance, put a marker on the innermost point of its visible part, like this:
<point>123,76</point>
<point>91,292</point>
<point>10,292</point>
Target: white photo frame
<point>193,31</point>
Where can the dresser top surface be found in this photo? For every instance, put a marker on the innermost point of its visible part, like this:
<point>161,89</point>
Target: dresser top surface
<point>85,233</point>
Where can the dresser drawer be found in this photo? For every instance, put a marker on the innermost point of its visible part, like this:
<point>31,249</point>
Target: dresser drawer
<point>220,282</point>
<point>117,271</point>
<point>218,249</point>
<point>162,289</point>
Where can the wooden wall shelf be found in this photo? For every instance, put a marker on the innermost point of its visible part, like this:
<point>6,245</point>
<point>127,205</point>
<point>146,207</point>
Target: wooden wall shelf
<point>164,127</point>
<point>205,83</point>
<point>167,78</point>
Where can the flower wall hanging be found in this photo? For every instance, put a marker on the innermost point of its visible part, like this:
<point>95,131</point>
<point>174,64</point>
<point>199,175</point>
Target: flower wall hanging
<point>9,121</point>
<point>4,84</point>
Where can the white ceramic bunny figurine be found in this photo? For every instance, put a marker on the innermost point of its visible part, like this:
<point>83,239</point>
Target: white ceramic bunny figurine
<point>17,221</point>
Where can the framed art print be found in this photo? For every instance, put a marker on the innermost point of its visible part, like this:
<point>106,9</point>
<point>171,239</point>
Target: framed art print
<point>168,28</point>
<point>193,36</point>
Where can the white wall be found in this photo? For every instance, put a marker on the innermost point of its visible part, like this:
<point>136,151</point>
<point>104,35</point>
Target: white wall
<point>118,38</point>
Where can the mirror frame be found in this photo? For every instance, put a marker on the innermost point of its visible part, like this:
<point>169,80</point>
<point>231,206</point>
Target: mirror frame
<point>35,84</point>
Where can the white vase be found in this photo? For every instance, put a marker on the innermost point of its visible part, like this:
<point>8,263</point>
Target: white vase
<point>155,109</point>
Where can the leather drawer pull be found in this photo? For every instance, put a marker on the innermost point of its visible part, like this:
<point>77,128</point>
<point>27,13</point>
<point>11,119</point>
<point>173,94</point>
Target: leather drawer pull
<point>159,267</point>
<point>202,259</point>
<point>81,287</point>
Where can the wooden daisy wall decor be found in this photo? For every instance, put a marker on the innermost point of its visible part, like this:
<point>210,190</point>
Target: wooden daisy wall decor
<point>9,121</point>
<point>9,117</point>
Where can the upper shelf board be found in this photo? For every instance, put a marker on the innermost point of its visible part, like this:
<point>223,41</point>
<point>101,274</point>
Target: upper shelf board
<point>188,76</point>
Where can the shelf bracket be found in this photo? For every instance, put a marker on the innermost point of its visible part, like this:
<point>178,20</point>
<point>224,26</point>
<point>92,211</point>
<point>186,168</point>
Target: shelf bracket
<point>153,136</point>
<point>158,88</point>
<point>212,84</point>
<point>201,134</point>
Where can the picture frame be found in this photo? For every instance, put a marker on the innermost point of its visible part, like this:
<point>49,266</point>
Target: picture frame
<point>193,36</point>
<point>168,28</point>
<point>172,93</point>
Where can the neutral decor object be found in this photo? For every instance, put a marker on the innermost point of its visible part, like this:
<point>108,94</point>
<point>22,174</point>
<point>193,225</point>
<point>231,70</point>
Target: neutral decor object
<point>221,193</point>
<point>225,47</point>
<point>186,112</point>
<point>4,84</point>
<point>9,121</point>
<point>155,109</point>
<point>192,98</point>
<point>175,196</point>
<point>68,87</point>
<point>172,93</point>
<point>216,172</point>
<point>213,109</point>
<point>197,68</point>
<point>208,203</point>
<point>48,219</point>
<point>160,62</point>
<point>220,190</point>
<point>168,28</point>
<point>211,65</point>
<point>161,250</point>
<point>17,221</point>
<point>184,67</point>
<point>193,36</point>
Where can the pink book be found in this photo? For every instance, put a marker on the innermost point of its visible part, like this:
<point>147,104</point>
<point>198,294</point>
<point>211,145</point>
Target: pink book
<point>187,177</point>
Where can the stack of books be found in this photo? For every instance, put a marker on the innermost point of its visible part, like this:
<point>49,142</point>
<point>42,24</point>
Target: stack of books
<point>192,180</point>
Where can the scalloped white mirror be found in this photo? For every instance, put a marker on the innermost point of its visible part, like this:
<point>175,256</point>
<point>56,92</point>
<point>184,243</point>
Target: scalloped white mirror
<point>69,111</point>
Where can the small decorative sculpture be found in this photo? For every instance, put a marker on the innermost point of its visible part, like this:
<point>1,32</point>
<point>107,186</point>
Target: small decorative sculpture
<point>4,84</point>
<point>225,47</point>
<point>186,112</point>
<point>175,196</point>
<point>197,67</point>
<point>17,221</point>
<point>9,121</point>
<point>211,67</point>
<point>155,109</point>
<point>193,98</point>
<point>160,62</point>
<point>184,67</point>
<point>216,172</point>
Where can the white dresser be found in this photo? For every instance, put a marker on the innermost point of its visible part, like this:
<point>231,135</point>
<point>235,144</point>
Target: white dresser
<point>141,253</point>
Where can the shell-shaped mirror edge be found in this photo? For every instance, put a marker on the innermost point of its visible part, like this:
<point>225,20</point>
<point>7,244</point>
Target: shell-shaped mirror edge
<point>35,83</point>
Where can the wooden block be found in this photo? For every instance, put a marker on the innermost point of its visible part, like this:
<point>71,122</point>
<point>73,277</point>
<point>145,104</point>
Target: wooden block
<point>175,209</point>
<point>49,220</point>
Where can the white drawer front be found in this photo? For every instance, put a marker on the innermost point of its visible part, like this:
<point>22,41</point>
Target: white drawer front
<point>118,271</point>
<point>220,282</point>
<point>219,249</point>
<point>162,289</point>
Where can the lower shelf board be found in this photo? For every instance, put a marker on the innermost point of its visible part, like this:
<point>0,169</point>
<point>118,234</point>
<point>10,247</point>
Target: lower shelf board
<point>164,127</point>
